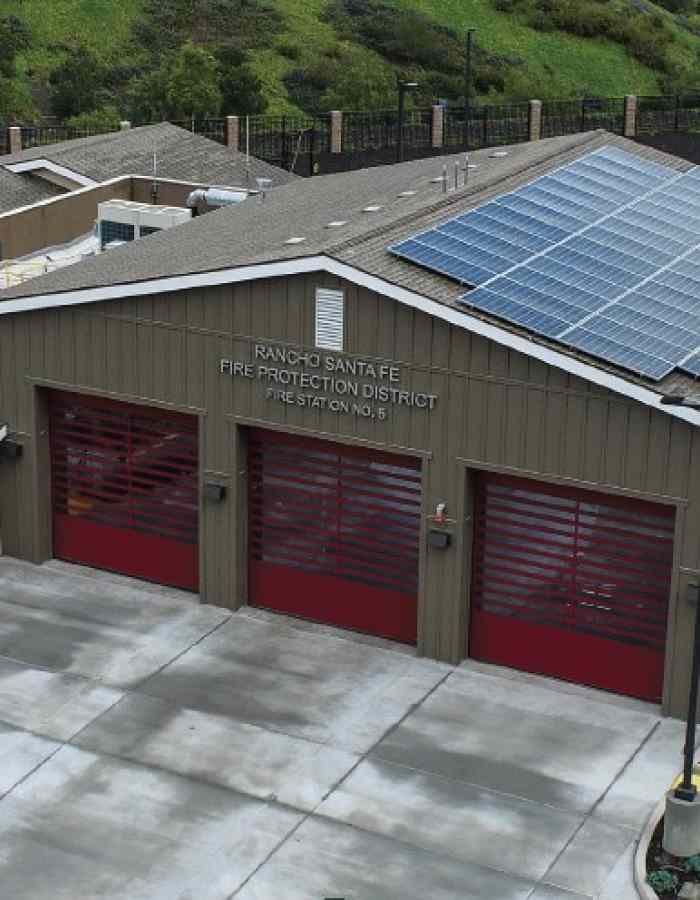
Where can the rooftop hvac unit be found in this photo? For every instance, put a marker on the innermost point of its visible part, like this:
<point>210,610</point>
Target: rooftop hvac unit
<point>121,221</point>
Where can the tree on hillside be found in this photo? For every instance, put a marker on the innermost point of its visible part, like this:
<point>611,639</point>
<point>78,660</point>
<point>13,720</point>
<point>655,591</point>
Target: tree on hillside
<point>192,89</point>
<point>358,80</point>
<point>76,86</point>
<point>241,89</point>
<point>15,37</point>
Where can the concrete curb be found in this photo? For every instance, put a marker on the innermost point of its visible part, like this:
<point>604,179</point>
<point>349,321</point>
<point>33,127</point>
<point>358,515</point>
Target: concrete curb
<point>640,856</point>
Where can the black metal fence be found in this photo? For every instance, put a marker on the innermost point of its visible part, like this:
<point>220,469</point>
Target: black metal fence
<point>663,115</point>
<point>44,135</point>
<point>214,129</point>
<point>486,126</point>
<point>292,142</point>
<point>561,117</point>
<point>303,144</point>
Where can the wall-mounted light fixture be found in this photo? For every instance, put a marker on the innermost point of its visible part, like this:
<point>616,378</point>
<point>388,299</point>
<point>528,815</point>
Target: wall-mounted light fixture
<point>9,449</point>
<point>214,492</point>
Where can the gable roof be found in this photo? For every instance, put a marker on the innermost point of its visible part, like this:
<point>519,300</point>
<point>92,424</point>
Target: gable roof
<point>250,241</point>
<point>21,190</point>
<point>256,231</point>
<point>181,155</point>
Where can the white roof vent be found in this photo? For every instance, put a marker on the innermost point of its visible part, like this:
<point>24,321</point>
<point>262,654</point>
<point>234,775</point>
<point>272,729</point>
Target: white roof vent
<point>369,209</point>
<point>408,193</point>
<point>338,223</point>
<point>498,154</point>
<point>330,319</point>
<point>295,240</point>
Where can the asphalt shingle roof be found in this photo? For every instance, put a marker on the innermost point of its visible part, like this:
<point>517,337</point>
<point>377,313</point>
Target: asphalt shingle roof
<point>256,231</point>
<point>23,190</point>
<point>182,156</point>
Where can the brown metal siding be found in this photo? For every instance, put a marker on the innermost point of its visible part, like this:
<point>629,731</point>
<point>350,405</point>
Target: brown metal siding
<point>63,219</point>
<point>497,409</point>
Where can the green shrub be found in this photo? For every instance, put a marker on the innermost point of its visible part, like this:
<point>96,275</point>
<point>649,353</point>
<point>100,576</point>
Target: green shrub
<point>692,864</point>
<point>99,120</point>
<point>289,50</point>
<point>662,881</point>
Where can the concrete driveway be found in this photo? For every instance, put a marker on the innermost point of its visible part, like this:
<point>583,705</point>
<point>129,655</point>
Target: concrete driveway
<point>155,749</point>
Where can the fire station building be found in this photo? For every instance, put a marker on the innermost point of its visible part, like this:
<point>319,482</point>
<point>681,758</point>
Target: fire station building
<point>293,403</point>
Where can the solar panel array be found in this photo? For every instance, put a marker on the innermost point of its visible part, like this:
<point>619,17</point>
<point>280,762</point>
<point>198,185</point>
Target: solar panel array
<point>602,255</point>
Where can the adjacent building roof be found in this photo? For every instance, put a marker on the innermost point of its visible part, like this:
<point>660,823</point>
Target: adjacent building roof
<point>23,190</point>
<point>181,156</point>
<point>349,219</point>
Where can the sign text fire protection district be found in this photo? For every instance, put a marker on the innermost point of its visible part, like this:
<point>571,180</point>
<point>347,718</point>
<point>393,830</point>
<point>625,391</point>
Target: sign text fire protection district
<point>327,381</point>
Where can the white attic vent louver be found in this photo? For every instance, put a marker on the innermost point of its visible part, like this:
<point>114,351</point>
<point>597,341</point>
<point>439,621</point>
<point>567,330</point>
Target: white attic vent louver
<point>330,315</point>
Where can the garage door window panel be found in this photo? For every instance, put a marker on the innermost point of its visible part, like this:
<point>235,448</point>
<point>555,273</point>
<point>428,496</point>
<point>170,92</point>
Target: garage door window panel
<point>553,564</point>
<point>347,520</point>
<point>125,488</point>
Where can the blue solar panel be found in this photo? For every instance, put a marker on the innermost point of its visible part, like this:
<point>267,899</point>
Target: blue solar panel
<point>614,352</point>
<point>688,318</point>
<point>521,314</point>
<point>561,220</point>
<point>605,235</point>
<point>575,277</point>
<point>602,255</point>
<point>652,325</point>
<point>692,365</point>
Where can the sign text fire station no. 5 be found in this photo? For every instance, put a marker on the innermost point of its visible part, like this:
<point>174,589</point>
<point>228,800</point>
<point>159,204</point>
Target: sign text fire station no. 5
<point>327,381</point>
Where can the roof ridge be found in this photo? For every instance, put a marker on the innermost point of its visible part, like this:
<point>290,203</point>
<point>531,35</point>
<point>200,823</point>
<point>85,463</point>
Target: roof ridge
<point>452,199</point>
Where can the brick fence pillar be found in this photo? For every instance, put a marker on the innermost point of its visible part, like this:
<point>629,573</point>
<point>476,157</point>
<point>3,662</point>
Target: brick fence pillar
<point>336,131</point>
<point>535,120</point>
<point>233,132</point>
<point>630,129</point>
<point>438,127</point>
<point>124,125</point>
<point>15,133</point>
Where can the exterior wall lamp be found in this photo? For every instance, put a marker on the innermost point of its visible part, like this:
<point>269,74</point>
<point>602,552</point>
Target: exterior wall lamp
<point>9,449</point>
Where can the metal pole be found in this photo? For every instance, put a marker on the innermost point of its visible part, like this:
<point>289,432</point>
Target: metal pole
<point>399,142</point>
<point>687,790</point>
<point>468,84</point>
<point>284,142</point>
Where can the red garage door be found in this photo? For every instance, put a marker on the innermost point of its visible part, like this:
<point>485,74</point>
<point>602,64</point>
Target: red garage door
<point>572,584</point>
<point>125,494</point>
<point>334,533</point>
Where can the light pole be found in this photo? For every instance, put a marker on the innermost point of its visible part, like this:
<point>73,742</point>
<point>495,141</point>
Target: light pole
<point>686,790</point>
<point>681,835</point>
<point>468,84</point>
<point>402,87</point>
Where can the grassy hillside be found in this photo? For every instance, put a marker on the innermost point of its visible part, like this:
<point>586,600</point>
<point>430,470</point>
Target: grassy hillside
<point>307,49</point>
<point>102,25</point>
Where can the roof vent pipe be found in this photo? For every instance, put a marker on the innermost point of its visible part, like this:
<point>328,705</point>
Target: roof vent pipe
<point>215,197</point>
<point>263,184</point>
<point>444,179</point>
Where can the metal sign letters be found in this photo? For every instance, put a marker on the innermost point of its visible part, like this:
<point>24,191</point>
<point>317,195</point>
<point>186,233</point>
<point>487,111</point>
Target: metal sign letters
<point>327,381</point>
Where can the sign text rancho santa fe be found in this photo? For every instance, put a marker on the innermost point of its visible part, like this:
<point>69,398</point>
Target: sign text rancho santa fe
<point>327,381</point>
